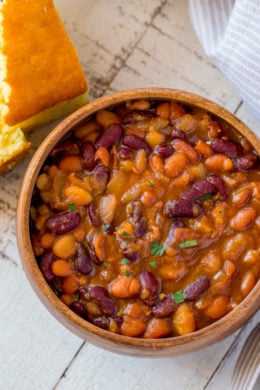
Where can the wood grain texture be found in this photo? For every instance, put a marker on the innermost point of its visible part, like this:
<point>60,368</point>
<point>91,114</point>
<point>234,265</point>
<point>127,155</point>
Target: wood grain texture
<point>121,44</point>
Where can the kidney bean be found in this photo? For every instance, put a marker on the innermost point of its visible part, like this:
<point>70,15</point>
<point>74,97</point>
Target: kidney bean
<point>140,227</point>
<point>111,136</point>
<point>63,223</point>
<point>101,296</point>
<point>45,265</point>
<point>149,282</point>
<point>137,116</point>
<point>131,255</point>
<point>219,185</point>
<point>87,152</point>
<point>101,322</point>
<point>79,309</point>
<point>245,162</point>
<point>93,215</point>
<point>191,196</point>
<point>197,288</point>
<point>164,151</point>
<point>175,225</point>
<point>179,208</point>
<point>125,154</point>
<point>178,134</point>
<point>150,301</point>
<point>243,219</point>
<point>100,177</point>
<point>204,187</point>
<point>165,307</point>
<point>136,143</point>
<point>83,261</point>
<point>229,148</point>
<point>135,211</point>
<point>84,292</point>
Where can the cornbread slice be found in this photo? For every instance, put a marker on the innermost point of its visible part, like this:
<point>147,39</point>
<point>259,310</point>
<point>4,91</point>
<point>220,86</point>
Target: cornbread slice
<point>41,78</point>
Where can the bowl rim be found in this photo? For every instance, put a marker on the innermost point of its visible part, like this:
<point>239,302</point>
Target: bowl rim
<point>190,342</point>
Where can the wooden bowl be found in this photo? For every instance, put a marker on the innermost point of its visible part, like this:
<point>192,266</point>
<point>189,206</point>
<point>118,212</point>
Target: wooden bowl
<point>86,330</point>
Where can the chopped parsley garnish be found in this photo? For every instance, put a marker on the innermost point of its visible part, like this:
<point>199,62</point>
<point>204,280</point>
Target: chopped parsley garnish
<point>125,234</point>
<point>188,244</point>
<point>157,249</point>
<point>153,264</point>
<point>178,297</point>
<point>150,184</point>
<point>71,207</point>
<point>104,265</point>
<point>125,261</point>
<point>106,228</point>
<point>207,196</point>
<point>127,272</point>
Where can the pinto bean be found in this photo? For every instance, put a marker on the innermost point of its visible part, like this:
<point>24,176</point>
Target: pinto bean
<point>184,320</point>
<point>63,223</point>
<point>243,219</point>
<point>175,164</point>
<point>136,143</point>
<point>132,327</point>
<point>247,283</point>
<point>197,288</point>
<point>45,265</point>
<point>137,116</point>
<point>111,136</point>
<point>105,302</point>
<point>157,328</point>
<point>125,287</point>
<point>183,146</point>
<point>219,162</point>
<point>218,307</point>
<point>165,307</point>
<point>87,152</point>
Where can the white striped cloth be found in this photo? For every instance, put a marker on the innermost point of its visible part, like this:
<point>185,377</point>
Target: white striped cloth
<point>229,31</point>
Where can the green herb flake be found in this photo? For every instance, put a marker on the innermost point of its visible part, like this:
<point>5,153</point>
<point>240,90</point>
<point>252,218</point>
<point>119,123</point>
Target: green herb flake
<point>153,264</point>
<point>178,297</point>
<point>125,234</point>
<point>157,249</point>
<point>106,228</point>
<point>150,184</point>
<point>188,244</point>
<point>127,272</point>
<point>104,265</point>
<point>125,261</point>
<point>71,207</point>
<point>207,196</point>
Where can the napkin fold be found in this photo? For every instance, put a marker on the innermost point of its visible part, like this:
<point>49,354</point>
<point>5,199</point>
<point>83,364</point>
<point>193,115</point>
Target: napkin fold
<point>229,32</point>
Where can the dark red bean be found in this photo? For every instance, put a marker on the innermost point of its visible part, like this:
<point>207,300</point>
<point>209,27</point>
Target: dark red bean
<point>164,307</point>
<point>93,215</point>
<point>219,185</point>
<point>229,148</point>
<point>149,282</point>
<point>84,292</point>
<point>111,136</point>
<point>83,261</point>
<point>204,187</point>
<point>179,208</point>
<point>151,301</point>
<point>175,225</point>
<point>137,116</point>
<point>131,255</point>
<point>101,322</point>
<point>136,143</point>
<point>191,195</point>
<point>100,177</point>
<point>178,134</point>
<point>104,301</point>
<point>87,152</point>
<point>245,162</point>
<point>118,320</point>
<point>45,264</point>
<point>164,151</point>
<point>135,211</point>
<point>125,154</point>
<point>109,228</point>
<point>79,309</point>
<point>63,223</point>
<point>196,289</point>
<point>140,227</point>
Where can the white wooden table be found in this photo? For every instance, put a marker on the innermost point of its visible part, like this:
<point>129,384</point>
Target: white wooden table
<point>122,44</point>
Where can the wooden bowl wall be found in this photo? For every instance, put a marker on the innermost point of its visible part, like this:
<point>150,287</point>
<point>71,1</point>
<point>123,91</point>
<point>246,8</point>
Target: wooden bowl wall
<point>93,334</point>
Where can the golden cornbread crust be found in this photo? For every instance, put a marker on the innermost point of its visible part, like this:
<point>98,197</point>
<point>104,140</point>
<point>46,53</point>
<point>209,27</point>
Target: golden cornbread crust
<point>42,66</point>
